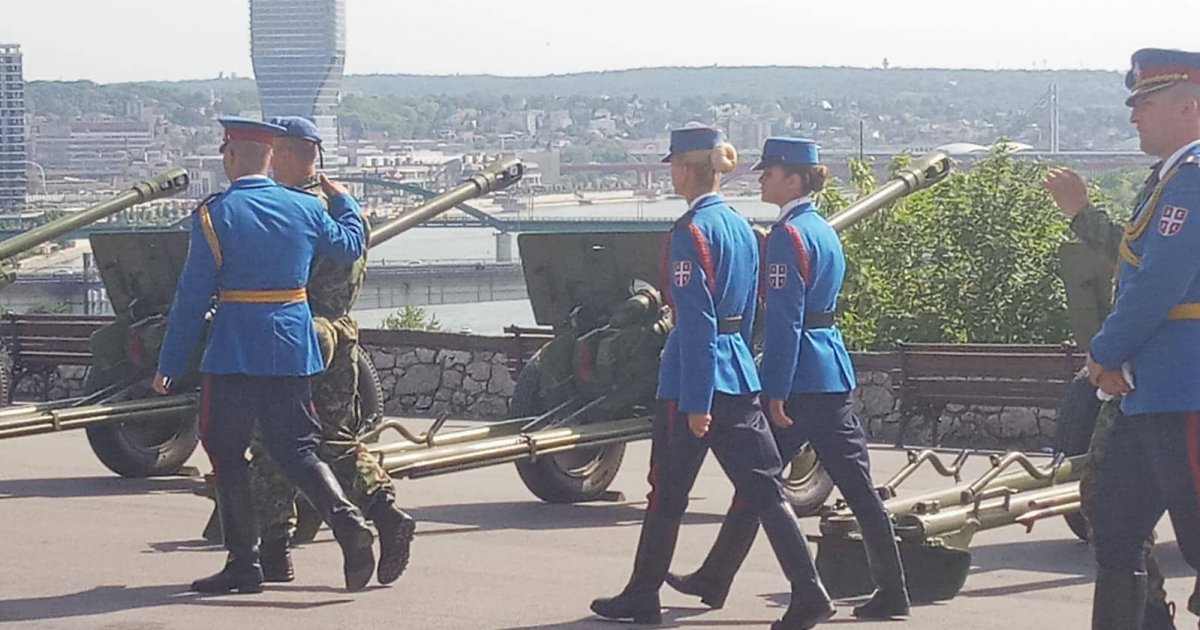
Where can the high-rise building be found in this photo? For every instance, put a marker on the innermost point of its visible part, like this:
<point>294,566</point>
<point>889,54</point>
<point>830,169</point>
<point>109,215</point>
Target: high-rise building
<point>12,129</point>
<point>298,48</point>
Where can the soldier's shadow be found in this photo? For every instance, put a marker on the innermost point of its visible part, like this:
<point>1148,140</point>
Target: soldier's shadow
<point>107,599</point>
<point>1064,556</point>
<point>673,617</point>
<point>74,487</point>
<point>531,515</point>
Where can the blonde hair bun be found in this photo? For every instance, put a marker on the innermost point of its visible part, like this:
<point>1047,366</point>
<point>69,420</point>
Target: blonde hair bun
<point>724,158</point>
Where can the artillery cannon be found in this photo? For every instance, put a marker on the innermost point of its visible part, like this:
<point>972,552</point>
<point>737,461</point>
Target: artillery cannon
<point>134,432</point>
<point>591,389</point>
<point>165,184</point>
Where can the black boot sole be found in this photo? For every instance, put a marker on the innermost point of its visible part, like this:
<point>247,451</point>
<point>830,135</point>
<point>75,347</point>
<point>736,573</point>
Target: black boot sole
<point>249,588</point>
<point>892,615</point>
<point>394,552</point>
<point>359,560</point>
<point>811,622</point>
<point>684,584</point>
<point>646,618</point>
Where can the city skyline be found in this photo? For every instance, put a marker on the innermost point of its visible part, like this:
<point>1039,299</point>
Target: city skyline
<point>136,40</point>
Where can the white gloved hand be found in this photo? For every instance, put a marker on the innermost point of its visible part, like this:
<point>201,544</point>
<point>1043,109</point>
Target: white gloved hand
<point>1126,372</point>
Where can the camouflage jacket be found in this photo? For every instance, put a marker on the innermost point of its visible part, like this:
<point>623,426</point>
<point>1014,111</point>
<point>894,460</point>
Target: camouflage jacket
<point>333,288</point>
<point>1094,227</point>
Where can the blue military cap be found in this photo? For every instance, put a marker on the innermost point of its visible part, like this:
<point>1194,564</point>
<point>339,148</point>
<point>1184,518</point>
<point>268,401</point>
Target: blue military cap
<point>298,127</point>
<point>694,139</point>
<point>1157,68</point>
<point>238,128</point>
<point>780,150</point>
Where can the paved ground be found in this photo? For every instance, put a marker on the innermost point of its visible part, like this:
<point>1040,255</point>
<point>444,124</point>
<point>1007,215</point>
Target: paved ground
<point>83,549</point>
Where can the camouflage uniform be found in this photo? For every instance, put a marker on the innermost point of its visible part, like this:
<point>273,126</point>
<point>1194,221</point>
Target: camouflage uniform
<point>1095,228</point>
<point>332,291</point>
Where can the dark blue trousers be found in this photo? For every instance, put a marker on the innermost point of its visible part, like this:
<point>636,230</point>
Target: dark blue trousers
<point>827,422</point>
<point>739,437</point>
<point>1151,465</point>
<point>231,404</point>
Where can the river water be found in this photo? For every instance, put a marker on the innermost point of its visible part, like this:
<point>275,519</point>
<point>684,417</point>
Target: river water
<point>431,245</point>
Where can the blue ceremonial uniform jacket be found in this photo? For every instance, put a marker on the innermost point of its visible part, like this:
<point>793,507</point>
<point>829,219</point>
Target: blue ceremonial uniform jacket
<point>267,235</point>
<point>803,274</point>
<point>1159,275</point>
<point>710,271</point>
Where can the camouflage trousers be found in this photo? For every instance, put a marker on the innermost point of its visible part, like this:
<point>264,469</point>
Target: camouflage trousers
<point>1155,582</point>
<point>335,396</point>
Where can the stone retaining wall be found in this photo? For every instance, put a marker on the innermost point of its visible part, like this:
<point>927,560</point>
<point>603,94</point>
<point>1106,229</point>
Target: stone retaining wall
<point>470,376</point>
<point>423,373</point>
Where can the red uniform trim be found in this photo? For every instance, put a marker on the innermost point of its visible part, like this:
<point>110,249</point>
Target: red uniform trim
<point>253,135</point>
<point>762,263</point>
<point>705,256</point>
<point>664,269</point>
<point>653,477</point>
<point>1193,451</point>
<point>205,412</point>
<point>801,253</point>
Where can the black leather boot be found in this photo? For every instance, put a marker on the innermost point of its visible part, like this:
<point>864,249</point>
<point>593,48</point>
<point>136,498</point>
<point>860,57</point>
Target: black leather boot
<point>639,600</point>
<point>351,531</point>
<point>890,598</point>
<point>712,580</point>
<point>1194,600</point>
<point>276,560</point>
<point>1160,615</point>
<point>242,573</point>
<point>1119,602</point>
<point>396,530</point>
<point>810,603</point>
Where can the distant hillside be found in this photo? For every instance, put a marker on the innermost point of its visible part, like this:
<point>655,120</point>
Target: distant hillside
<point>1003,89</point>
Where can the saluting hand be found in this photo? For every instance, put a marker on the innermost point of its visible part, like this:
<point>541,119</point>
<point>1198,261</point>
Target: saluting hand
<point>161,384</point>
<point>1067,189</point>
<point>331,187</point>
<point>699,423</point>
<point>777,413</point>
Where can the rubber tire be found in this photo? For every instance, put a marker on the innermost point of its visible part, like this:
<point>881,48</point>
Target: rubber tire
<point>1076,422</point>
<point>370,392</point>
<point>6,378</point>
<point>546,477</point>
<point>122,453</point>
<point>806,484</point>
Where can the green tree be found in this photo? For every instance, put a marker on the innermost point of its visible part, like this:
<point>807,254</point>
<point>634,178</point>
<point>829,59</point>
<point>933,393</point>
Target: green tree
<point>412,318</point>
<point>973,259</point>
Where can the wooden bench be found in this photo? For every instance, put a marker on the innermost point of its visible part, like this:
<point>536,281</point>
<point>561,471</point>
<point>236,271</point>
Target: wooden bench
<point>37,344</point>
<point>930,376</point>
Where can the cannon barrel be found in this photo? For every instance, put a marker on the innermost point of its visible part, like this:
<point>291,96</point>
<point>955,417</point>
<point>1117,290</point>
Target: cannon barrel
<point>497,176</point>
<point>922,172</point>
<point>162,185</point>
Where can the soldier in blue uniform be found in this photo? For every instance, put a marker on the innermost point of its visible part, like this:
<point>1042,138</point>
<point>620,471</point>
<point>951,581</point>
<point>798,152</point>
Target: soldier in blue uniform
<point>1146,349</point>
<point>707,391</point>
<point>250,251</point>
<point>807,378</point>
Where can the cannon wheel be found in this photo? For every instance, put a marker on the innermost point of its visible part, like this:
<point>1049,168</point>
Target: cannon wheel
<point>145,449</point>
<point>370,391</point>
<point>575,476</point>
<point>1076,423</point>
<point>6,378</point>
<point>806,484</point>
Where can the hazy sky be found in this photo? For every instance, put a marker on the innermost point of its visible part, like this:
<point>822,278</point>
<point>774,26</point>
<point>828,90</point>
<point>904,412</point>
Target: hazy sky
<point>127,40</point>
